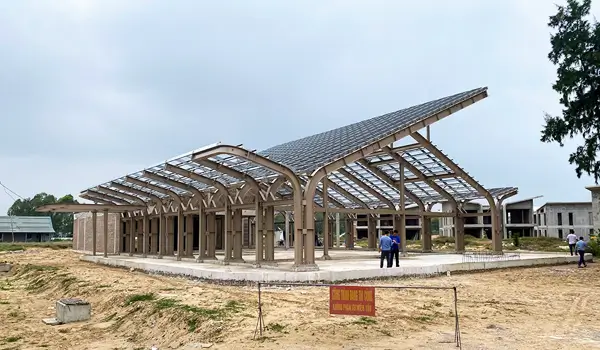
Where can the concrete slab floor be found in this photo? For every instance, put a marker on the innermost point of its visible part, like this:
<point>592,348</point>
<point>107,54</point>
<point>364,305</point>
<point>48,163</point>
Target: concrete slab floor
<point>345,265</point>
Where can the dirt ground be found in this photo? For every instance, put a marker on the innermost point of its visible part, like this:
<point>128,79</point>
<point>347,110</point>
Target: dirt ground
<point>536,308</point>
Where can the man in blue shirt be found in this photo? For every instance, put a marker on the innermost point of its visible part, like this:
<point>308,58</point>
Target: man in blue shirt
<point>580,246</point>
<point>395,254</point>
<point>385,248</point>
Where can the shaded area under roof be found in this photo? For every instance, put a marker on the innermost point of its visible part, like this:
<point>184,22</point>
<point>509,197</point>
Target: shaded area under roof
<point>26,224</point>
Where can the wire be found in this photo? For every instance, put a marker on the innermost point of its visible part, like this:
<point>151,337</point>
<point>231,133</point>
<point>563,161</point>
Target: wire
<point>7,190</point>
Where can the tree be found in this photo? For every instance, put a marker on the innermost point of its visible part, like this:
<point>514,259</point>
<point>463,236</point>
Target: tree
<point>62,222</point>
<point>576,53</point>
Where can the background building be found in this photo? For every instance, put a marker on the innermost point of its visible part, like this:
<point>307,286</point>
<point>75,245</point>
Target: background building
<point>25,228</point>
<point>555,219</point>
<point>517,218</point>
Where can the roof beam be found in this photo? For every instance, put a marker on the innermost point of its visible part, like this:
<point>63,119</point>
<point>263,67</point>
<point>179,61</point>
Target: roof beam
<point>110,191</point>
<point>352,198</point>
<point>223,169</point>
<point>174,195</point>
<point>394,184</point>
<point>221,189</point>
<point>96,200</point>
<point>398,149</point>
<point>366,187</point>
<point>82,207</point>
<point>159,178</point>
<point>152,197</point>
<point>413,169</point>
<point>92,195</point>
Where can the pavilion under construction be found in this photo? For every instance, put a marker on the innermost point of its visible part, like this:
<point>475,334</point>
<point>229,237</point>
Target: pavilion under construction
<point>223,198</point>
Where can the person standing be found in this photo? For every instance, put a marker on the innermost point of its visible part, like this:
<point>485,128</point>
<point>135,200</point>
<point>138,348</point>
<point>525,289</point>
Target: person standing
<point>572,240</point>
<point>580,246</point>
<point>385,247</point>
<point>395,253</point>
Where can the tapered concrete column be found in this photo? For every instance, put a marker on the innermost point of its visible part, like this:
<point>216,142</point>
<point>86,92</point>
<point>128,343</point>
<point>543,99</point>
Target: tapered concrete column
<point>189,236</point>
<point>331,231</point>
<point>287,230</point>
<point>119,236</point>
<point>258,227</point>
<point>459,234</point>
<point>162,235</point>
<point>227,235</point>
<point>237,235</point>
<point>349,233</point>
<point>372,233</point>
<point>154,233</point>
<point>326,237</point>
<point>400,225</point>
<point>94,229</point>
<point>426,233</point>
<point>337,230</point>
<point>269,233</point>
<point>180,234</point>
<point>202,237</point>
<point>211,246</point>
<point>131,236</point>
<point>170,249</point>
<point>105,240</point>
<point>145,234</point>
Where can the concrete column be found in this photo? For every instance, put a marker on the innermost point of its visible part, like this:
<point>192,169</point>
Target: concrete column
<point>400,225</point>
<point>227,235</point>
<point>349,233</point>
<point>326,237</point>
<point>331,231</point>
<point>258,226</point>
<point>238,235</point>
<point>105,240</point>
<point>146,227</point>
<point>426,235</point>
<point>459,233</point>
<point>211,227</point>
<point>269,229</point>
<point>189,236</point>
<point>180,234</point>
<point>337,230</point>
<point>162,234</point>
<point>287,230</point>
<point>170,249</point>
<point>131,236</point>
<point>372,233</point>
<point>119,236</point>
<point>94,229</point>
<point>202,237</point>
<point>154,233</point>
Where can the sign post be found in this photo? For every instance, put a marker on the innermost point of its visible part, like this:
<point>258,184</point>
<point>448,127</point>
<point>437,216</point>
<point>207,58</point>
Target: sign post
<point>352,300</point>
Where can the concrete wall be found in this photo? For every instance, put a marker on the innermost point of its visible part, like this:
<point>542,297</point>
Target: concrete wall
<point>82,232</point>
<point>548,223</point>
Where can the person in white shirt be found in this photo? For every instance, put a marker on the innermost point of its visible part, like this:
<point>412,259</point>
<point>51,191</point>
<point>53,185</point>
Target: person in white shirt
<point>572,240</point>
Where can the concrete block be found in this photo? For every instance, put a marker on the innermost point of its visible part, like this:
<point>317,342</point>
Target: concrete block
<point>5,267</point>
<point>73,310</point>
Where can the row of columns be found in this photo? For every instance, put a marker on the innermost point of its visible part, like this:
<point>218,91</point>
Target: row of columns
<point>145,235</point>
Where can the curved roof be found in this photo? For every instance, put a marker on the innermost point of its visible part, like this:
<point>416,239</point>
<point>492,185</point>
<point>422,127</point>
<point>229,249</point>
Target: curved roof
<point>373,181</point>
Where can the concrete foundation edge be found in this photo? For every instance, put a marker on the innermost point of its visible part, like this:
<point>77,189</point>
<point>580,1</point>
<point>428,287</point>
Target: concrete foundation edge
<point>269,275</point>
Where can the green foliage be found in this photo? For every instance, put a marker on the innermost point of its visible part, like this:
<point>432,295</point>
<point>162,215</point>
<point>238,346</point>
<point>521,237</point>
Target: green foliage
<point>576,53</point>
<point>594,245</point>
<point>516,241</point>
<point>132,299</point>
<point>62,222</point>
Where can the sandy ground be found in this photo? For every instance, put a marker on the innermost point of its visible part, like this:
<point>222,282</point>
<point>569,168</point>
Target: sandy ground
<point>536,308</point>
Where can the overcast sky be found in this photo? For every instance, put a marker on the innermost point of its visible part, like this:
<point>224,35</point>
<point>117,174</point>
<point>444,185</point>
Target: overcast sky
<point>92,90</point>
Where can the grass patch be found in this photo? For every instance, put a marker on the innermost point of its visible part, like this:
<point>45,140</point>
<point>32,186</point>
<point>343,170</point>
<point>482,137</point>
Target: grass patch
<point>423,318</point>
<point>4,302</point>
<point>196,313</point>
<point>102,286</point>
<point>139,297</point>
<point>37,268</point>
<point>12,339</point>
<point>275,327</point>
<point>365,321</point>
<point>12,247</point>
